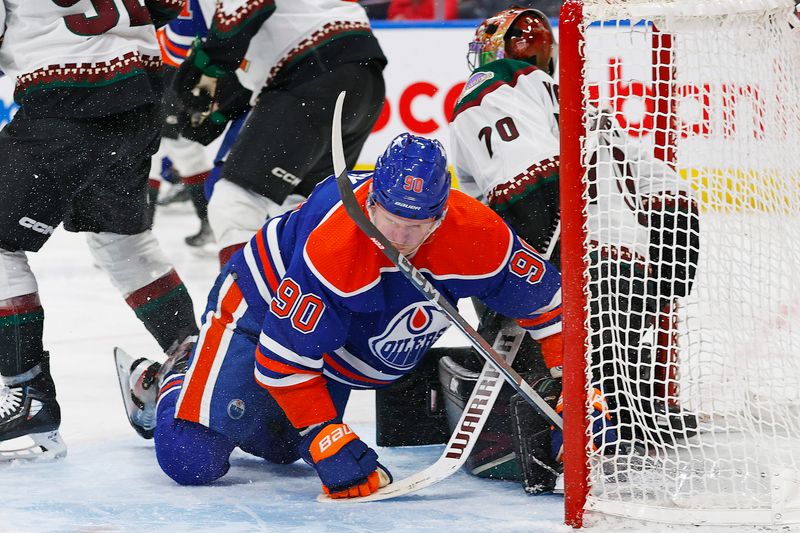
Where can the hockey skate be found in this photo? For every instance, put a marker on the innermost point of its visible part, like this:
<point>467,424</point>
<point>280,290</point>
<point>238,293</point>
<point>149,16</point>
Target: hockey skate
<point>140,379</point>
<point>28,410</point>
<point>203,242</point>
<point>176,194</point>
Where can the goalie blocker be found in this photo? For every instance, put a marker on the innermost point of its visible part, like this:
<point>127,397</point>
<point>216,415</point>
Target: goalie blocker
<point>515,444</point>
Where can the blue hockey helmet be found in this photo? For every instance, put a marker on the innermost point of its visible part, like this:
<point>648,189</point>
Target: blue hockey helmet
<point>411,178</point>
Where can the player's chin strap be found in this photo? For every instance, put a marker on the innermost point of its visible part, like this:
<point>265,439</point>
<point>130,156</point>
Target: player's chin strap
<point>448,463</point>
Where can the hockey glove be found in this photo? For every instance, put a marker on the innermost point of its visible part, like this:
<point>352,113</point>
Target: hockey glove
<point>604,430</point>
<point>347,467</point>
<point>196,81</point>
<point>231,101</point>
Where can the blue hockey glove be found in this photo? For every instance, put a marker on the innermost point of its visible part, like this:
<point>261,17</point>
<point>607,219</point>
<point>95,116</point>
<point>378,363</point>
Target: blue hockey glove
<point>347,467</point>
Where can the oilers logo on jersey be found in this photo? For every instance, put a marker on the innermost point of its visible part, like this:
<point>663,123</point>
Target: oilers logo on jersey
<point>409,335</point>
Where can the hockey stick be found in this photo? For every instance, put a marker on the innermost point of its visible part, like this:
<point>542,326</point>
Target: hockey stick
<point>416,278</point>
<point>468,428</point>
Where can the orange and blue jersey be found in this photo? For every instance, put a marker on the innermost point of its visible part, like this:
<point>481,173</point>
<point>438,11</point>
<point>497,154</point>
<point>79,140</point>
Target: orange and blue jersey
<point>176,38</point>
<point>323,304</point>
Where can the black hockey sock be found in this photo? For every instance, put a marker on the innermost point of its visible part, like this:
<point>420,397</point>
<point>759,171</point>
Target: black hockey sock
<point>152,196</point>
<point>196,186</point>
<point>21,327</point>
<point>165,308</point>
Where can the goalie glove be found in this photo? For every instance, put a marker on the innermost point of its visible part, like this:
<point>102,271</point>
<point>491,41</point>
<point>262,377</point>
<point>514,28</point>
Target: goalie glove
<point>347,467</point>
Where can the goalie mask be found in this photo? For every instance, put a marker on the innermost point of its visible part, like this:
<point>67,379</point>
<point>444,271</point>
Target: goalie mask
<point>515,33</point>
<point>411,178</point>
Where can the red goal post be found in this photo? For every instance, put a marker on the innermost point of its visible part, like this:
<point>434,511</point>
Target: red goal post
<point>680,202</point>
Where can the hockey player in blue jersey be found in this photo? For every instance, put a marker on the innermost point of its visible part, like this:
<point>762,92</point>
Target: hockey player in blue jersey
<point>310,309</point>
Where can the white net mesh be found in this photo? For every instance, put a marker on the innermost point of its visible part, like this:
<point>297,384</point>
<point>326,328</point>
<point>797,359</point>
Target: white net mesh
<point>701,369</point>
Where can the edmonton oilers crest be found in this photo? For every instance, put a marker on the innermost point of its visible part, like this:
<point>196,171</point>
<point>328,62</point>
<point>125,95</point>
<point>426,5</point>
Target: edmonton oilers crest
<point>409,335</point>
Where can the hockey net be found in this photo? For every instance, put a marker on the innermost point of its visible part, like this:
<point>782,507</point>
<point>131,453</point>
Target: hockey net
<point>679,105</point>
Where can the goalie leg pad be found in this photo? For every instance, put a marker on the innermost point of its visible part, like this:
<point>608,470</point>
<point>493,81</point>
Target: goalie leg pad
<point>494,455</point>
<point>534,439</point>
<point>416,397</point>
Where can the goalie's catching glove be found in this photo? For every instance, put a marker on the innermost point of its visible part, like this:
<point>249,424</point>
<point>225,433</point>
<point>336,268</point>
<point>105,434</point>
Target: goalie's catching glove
<point>347,467</point>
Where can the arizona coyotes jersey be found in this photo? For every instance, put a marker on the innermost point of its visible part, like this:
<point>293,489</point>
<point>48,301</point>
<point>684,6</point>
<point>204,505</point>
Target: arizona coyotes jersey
<point>332,305</point>
<point>505,128</point>
<point>291,32</point>
<point>79,43</point>
<point>505,146</point>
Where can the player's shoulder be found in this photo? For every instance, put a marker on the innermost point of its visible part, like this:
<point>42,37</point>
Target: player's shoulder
<point>488,78</point>
<point>336,251</point>
<point>472,242</point>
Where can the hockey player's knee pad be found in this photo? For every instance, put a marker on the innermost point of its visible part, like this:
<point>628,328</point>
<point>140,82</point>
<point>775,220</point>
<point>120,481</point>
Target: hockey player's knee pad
<point>16,278</point>
<point>235,213</point>
<point>131,261</point>
<point>188,452</point>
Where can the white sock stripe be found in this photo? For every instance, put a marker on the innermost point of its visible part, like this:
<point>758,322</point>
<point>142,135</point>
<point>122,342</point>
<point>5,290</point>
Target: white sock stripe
<point>538,334</point>
<point>174,388</point>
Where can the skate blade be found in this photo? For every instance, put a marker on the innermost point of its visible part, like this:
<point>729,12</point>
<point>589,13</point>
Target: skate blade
<point>559,487</point>
<point>123,361</point>
<point>47,446</point>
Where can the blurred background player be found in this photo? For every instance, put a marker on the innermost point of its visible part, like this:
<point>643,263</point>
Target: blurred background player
<point>78,152</point>
<point>191,161</point>
<point>505,143</point>
<point>316,309</point>
<point>295,56</point>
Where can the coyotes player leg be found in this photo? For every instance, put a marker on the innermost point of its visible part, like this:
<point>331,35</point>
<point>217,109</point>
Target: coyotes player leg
<point>283,151</point>
<point>193,163</point>
<point>28,406</point>
<point>204,236</point>
<point>236,213</point>
<point>138,268</point>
